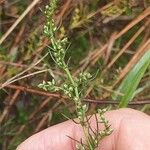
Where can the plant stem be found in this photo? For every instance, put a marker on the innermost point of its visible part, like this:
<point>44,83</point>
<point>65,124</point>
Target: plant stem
<point>83,122</point>
<point>72,81</point>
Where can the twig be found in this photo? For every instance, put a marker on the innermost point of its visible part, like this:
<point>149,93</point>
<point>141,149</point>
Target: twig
<point>98,101</point>
<point>34,91</point>
<point>137,102</point>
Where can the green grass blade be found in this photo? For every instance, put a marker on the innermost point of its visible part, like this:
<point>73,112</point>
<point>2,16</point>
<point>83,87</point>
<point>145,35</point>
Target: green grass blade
<point>132,80</point>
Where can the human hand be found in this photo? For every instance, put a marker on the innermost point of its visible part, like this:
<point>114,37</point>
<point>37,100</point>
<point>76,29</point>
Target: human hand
<point>131,132</point>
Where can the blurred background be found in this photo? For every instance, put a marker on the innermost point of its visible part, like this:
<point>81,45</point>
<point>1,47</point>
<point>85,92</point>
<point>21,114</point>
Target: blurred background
<point>110,39</point>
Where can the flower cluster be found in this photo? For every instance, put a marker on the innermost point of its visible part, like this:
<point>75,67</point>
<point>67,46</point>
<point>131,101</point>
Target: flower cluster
<point>80,109</point>
<point>49,26</point>
<point>68,90</point>
<point>83,77</point>
<point>59,52</point>
<point>107,129</point>
<point>72,87</point>
<point>59,45</point>
<point>50,9</point>
<point>49,86</point>
<point>76,17</point>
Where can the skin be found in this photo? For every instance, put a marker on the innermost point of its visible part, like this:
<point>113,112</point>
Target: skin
<point>131,132</point>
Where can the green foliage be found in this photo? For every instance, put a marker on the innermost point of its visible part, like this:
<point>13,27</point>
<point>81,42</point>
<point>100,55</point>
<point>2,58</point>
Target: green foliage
<point>87,31</point>
<point>95,4</point>
<point>2,49</point>
<point>76,49</point>
<point>132,80</point>
<point>116,9</point>
<point>73,86</point>
<point>12,71</point>
<point>22,115</point>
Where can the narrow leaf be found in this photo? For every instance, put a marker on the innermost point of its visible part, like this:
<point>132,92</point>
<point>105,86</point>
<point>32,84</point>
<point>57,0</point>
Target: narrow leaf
<point>132,80</point>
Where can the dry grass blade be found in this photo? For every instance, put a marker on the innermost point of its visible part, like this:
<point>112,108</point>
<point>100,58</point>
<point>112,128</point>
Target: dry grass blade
<point>143,15</point>
<point>133,61</point>
<point>110,45</point>
<point>18,75</point>
<point>18,20</point>
<point>98,53</point>
<point>23,77</point>
<point>127,45</point>
<point>48,115</point>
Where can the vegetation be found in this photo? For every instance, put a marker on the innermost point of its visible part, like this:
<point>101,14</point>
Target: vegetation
<point>103,63</point>
<point>73,87</point>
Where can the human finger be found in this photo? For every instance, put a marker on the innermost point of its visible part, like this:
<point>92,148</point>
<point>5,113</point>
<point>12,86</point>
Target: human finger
<point>56,137</point>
